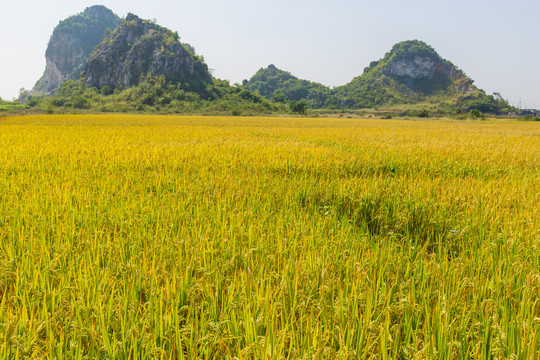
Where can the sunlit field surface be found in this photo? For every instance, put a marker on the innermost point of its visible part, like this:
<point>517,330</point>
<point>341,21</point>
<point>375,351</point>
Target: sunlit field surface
<point>160,237</point>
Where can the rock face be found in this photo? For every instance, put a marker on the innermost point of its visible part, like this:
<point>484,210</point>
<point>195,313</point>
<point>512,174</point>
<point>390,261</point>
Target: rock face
<point>417,67</point>
<point>138,49</point>
<point>421,69</point>
<point>72,42</point>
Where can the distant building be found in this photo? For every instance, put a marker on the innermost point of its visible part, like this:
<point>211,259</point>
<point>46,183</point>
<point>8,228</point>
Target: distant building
<point>531,112</point>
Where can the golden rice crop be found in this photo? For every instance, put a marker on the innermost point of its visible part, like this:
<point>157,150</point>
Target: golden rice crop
<point>142,237</point>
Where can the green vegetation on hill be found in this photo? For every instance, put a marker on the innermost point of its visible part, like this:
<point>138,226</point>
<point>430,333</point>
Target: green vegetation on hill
<point>143,67</point>
<point>156,94</point>
<point>407,79</point>
<point>413,73</point>
<point>281,86</point>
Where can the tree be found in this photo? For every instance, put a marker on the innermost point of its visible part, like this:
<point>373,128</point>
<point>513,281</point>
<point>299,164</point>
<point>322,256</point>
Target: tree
<point>279,96</point>
<point>498,97</point>
<point>24,95</point>
<point>298,107</point>
<point>107,90</point>
<point>423,113</point>
<point>475,114</point>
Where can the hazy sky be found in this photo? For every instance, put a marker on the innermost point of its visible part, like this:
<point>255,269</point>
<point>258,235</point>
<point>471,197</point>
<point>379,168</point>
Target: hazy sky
<point>494,42</point>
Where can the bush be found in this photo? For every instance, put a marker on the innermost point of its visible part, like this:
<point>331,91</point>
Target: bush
<point>107,90</point>
<point>247,95</point>
<point>80,102</point>
<point>58,101</point>
<point>298,107</point>
<point>422,113</point>
<point>529,117</point>
<point>475,114</point>
<point>32,101</point>
<point>148,99</point>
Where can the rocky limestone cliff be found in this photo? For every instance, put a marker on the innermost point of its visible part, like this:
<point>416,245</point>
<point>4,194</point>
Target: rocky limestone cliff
<point>140,48</point>
<point>72,42</point>
<point>414,68</point>
<point>421,69</point>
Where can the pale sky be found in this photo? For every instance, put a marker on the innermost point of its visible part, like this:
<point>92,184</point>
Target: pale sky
<point>496,43</point>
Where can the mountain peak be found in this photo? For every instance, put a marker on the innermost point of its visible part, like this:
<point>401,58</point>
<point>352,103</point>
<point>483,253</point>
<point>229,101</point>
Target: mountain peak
<point>412,60</point>
<point>411,48</point>
<point>420,68</point>
<point>71,43</point>
<point>281,86</point>
<point>131,16</point>
<point>139,48</point>
<point>98,11</point>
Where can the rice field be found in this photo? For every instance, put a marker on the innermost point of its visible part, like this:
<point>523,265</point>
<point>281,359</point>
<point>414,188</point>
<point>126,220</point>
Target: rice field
<point>162,237</point>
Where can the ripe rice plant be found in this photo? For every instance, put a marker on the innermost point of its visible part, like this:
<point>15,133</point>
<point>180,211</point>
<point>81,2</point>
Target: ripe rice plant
<point>142,237</point>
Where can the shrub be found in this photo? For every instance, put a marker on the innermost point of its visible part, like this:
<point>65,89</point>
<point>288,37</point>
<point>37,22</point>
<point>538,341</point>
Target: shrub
<point>529,117</point>
<point>422,113</point>
<point>475,114</point>
<point>107,90</point>
<point>148,99</point>
<point>80,102</point>
<point>58,101</point>
<point>298,107</point>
